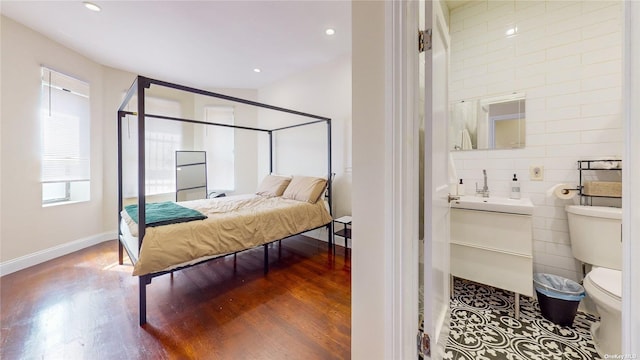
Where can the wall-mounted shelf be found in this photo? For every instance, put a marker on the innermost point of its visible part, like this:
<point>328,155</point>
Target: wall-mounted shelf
<point>598,189</point>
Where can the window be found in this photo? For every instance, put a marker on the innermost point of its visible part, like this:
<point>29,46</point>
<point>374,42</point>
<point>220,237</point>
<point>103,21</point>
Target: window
<point>163,138</point>
<point>65,131</point>
<point>219,143</point>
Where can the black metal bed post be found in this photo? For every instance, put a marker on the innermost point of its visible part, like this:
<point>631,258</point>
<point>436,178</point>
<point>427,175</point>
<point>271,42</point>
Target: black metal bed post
<point>270,152</point>
<point>266,248</point>
<point>227,97</point>
<point>121,116</point>
<point>266,258</point>
<point>143,83</point>
<point>329,187</point>
<point>138,88</point>
<point>156,116</point>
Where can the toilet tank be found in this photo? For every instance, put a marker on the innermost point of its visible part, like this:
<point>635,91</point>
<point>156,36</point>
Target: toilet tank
<point>596,235</point>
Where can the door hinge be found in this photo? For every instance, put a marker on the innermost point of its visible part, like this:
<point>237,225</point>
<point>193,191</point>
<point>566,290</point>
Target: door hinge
<point>424,344</point>
<point>424,40</point>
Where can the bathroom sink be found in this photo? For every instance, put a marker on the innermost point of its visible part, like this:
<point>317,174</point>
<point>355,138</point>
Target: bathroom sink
<point>496,204</point>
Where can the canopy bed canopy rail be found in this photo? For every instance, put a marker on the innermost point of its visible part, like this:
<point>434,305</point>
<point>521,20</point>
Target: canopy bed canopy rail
<point>138,88</point>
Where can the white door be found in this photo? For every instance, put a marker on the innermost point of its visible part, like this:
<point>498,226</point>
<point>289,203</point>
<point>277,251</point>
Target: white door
<point>436,177</point>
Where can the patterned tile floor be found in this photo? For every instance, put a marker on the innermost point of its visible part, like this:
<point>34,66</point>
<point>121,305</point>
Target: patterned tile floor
<point>482,327</point>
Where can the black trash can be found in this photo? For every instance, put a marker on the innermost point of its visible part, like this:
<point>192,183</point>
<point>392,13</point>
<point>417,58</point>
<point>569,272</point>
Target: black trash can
<point>558,297</point>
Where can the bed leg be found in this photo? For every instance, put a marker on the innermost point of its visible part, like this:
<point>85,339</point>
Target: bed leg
<point>120,253</point>
<point>142,286</point>
<point>330,239</point>
<point>266,258</point>
<point>235,263</point>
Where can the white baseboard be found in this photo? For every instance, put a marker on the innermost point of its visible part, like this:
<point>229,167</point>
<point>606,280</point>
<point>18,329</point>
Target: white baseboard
<point>41,256</point>
<point>321,234</point>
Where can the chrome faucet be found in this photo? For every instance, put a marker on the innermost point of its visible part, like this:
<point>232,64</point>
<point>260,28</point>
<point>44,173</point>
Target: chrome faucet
<point>485,189</point>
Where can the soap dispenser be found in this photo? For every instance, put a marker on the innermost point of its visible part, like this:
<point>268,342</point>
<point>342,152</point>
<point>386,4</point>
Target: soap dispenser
<point>515,188</point>
<point>460,190</point>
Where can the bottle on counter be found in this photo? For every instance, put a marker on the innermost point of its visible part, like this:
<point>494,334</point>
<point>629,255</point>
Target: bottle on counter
<point>515,188</point>
<point>461,189</point>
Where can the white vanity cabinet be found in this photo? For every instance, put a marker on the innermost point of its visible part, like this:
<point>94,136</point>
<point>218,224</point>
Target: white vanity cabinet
<point>493,248</point>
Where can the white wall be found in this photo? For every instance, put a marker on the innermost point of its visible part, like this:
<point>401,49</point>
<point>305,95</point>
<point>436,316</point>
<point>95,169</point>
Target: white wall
<point>370,315</point>
<point>116,84</point>
<point>27,226</point>
<point>631,192</point>
<point>325,91</point>
<point>567,58</point>
<point>65,228</point>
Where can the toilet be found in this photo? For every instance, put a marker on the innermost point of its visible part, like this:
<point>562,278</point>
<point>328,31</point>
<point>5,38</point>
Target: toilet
<point>596,240</point>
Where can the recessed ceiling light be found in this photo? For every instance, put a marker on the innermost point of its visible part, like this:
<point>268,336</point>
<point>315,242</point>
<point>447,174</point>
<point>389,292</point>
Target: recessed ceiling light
<point>330,31</point>
<point>91,6</point>
<point>257,70</point>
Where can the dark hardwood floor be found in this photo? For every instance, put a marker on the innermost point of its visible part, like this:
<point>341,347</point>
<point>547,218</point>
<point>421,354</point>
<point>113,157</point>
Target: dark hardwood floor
<point>85,306</point>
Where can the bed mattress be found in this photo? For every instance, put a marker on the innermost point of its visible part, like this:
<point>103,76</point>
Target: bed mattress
<point>233,224</point>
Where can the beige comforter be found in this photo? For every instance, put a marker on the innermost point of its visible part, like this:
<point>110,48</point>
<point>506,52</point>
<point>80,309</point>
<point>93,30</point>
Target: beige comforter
<point>234,223</point>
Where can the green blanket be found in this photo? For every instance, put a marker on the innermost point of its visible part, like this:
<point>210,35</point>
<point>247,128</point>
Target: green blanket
<point>164,213</point>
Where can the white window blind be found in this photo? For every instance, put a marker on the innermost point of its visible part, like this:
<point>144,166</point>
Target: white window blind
<point>219,143</point>
<point>65,126</point>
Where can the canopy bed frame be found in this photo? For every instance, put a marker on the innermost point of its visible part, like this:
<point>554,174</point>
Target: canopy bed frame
<point>139,89</point>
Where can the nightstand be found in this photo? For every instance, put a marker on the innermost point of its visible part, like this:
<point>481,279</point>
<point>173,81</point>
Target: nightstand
<point>345,232</point>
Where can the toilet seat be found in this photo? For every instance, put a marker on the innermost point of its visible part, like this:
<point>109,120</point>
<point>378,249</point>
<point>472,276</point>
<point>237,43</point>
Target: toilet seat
<point>604,287</point>
<point>608,281</point>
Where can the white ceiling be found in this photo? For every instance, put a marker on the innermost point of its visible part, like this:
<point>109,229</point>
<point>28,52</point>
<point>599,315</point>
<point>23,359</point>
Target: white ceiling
<point>205,44</point>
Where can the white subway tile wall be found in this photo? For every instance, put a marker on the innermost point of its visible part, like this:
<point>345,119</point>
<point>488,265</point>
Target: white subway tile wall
<point>567,58</point>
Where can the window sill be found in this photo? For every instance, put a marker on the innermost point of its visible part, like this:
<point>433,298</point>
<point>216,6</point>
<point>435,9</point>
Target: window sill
<point>63,203</point>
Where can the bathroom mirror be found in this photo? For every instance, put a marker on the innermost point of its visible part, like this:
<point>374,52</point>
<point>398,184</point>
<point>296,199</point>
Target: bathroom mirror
<point>488,123</point>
